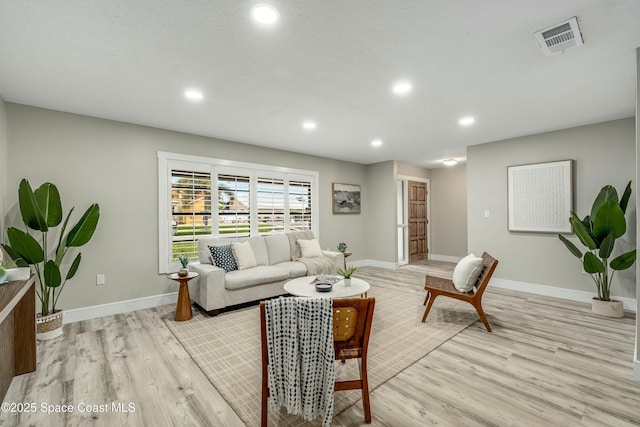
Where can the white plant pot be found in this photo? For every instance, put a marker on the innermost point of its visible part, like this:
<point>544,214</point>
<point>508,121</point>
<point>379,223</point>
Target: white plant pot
<point>49,326</point>
<point>347,282</point>
<point>607,308</point>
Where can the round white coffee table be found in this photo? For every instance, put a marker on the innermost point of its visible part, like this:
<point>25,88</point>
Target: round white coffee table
<point>302,287</point>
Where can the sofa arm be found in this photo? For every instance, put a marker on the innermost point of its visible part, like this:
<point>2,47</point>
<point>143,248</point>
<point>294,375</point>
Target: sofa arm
<point>209,290</point>
<point>336,257</point>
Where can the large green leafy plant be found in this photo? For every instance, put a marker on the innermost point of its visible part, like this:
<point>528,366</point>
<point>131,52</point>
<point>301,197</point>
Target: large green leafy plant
<point>41,211</point>
<point>598,233</point>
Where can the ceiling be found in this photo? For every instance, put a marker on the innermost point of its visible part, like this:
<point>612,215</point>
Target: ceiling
<point>330,61</point>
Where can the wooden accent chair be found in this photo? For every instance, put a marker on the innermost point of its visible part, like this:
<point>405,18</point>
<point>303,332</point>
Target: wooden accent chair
<point>352,319</point>
<point>436,286</point>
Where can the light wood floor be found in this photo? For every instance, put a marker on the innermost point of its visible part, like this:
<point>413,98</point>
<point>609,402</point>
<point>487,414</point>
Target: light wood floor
<point>548,362</point>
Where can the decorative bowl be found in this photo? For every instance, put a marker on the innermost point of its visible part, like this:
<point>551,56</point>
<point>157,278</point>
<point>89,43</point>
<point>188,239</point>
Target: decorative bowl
<point>324,287</point>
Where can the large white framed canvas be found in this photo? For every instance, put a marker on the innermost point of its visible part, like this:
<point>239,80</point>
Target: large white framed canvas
<point>540,197</point>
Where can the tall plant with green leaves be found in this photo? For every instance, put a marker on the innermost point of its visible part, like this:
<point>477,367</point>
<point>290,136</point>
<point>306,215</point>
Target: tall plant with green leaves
<point>598,233</point>
<point>41,212</point>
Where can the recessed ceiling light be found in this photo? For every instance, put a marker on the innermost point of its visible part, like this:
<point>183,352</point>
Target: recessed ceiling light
<point>466,121</point>
<point>193,95</point>
<point>309,125</point>
<point>450,162</point>
<point>402,88</point>
<point>264,13</point>
<point>376,143</point>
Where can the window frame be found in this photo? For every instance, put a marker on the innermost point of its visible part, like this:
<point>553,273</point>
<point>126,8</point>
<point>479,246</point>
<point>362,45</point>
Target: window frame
<point>168,161</point>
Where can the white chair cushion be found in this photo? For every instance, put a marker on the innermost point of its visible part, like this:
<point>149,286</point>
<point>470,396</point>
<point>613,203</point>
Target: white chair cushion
<point>310,248</point>
<point>467,272</point>
<point>243,254</point>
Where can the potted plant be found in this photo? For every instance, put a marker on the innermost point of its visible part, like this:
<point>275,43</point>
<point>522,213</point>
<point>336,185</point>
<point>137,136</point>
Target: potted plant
<point>184,260</point>
<point>598,233</point>
<point>41,212</point>
<point>347,273</point>
<point>342,247</point>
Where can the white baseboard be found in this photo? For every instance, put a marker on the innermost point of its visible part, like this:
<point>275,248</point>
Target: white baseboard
<point>376,263</point>
<point>551,291</point>
<point>448,258</point>
<point>93,312</point>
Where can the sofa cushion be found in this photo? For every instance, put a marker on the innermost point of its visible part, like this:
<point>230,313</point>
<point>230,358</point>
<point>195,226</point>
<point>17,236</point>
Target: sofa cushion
<point>310,248</point>
<point>278,248</point>
<point>243,254</point>
<point>259,247</point>
<point>466,273</point>
<point>254,276</point>
<point>293,244</point>
<point>223,257</point>
<point>204,253</point>
<point>295,268</point>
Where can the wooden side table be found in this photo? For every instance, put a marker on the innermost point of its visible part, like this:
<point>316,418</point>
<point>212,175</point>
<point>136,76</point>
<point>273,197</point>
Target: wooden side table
<point>183,307</point>
<point>346,255</point>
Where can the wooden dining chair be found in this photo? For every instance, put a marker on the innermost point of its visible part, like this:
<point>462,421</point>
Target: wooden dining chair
<point>352,319</point>
<point>436,286</point>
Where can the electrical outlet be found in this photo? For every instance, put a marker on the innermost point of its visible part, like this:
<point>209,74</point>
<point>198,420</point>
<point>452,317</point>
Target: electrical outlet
<point>100,279</point>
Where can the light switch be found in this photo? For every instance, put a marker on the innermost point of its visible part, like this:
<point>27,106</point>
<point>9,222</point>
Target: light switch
<point>487,213</point>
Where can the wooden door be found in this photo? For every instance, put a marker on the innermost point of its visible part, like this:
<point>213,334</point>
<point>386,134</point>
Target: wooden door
<point>417,221</point>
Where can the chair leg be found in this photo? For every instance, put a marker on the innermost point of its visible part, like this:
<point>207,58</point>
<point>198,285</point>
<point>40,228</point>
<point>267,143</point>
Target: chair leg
<point>483,317</point>
<point>264,417</point>
<point>366,404</point>
<point>426,298</point>
<point>426,311</point>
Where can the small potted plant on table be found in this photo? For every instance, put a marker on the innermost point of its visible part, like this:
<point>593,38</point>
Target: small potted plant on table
<point>347,273</point>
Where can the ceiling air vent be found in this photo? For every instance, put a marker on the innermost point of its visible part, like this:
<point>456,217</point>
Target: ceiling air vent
<point>560,37</point>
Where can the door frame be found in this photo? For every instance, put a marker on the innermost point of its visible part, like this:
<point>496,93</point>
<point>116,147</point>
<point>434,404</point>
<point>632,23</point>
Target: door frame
<point>405,179</point>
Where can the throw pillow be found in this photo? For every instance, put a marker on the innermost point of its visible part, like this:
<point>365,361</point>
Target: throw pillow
<point>243,254</point>
<point>223,257</point>
<point>310,248</point>
<point>466,273</point>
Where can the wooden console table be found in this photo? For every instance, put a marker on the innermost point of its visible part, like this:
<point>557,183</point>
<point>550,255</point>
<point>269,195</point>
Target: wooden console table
<point>17,330</point>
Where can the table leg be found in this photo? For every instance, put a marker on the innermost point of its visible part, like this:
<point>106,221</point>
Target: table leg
<point>183,308</point>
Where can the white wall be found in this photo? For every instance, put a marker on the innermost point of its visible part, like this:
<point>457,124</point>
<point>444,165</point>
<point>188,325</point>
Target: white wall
<point>413,171</point>
<point>379,207</point>
<point>636,366</point>
<point>604,154</point>
<point>115,164</point>
<point>4,141</point>
<point>448,207</point>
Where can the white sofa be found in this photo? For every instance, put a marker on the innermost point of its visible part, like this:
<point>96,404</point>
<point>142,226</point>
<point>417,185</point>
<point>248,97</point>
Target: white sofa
<point>276,256</point>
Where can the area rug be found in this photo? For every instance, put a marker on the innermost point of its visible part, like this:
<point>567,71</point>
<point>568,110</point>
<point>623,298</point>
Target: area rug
<point>227,348</point>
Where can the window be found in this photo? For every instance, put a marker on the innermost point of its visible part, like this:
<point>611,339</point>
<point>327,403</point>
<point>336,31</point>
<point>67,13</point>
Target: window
<point>270,199</point>
<point>190,211</point>
<point>251,200</point>
<point>234,202</point>
<point>300,205</point>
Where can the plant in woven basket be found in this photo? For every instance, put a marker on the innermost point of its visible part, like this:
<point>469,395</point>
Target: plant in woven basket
<point>598,233</point>
<point>41,212</point>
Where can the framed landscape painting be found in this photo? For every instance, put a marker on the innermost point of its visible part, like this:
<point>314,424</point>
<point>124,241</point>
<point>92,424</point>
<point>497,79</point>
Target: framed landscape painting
<point>346,198</point>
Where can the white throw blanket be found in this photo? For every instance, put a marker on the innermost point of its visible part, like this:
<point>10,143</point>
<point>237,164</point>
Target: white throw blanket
<point>301,356</point>
<point>319,265</point>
